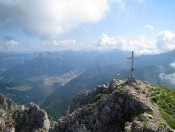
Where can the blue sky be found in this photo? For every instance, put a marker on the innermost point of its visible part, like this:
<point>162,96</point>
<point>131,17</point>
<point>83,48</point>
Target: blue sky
<point>146,26</point>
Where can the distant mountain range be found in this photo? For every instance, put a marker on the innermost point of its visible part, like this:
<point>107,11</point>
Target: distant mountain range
<point>10,59</point>
<point>40,76</point>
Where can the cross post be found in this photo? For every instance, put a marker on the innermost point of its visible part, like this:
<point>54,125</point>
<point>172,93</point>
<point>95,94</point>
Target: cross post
<point>131,77</point>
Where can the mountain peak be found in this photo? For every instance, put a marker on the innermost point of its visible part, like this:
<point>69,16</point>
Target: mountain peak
<point>114,106</point>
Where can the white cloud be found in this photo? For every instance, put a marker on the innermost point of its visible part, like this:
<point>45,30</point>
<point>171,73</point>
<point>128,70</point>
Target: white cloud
<point>164,42</point>
<point>63,43</point>
<point>11,43</point>
<point>149,27</point>
<point>7,43</point>
<point>105,40</point>
<point>58,45</point>
<point>140,45</point>
<point>172,65</point>
<point>50,17</point>
<point>168,77</point>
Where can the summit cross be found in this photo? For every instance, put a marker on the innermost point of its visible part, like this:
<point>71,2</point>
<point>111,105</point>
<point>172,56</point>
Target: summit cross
<point>131,77</point>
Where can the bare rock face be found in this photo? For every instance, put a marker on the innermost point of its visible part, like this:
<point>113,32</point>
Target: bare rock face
<point>113,107</point>
<point>33,119</point>
<point>7,103</point>
<point>82,98</point>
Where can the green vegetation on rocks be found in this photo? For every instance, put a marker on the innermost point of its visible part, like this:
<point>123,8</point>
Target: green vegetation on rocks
<point>56,105</point>
<point>121,90</point>
<point>98,97</point>
<point>165,100</point>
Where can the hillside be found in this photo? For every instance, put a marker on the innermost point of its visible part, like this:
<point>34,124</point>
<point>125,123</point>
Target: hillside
<point>56,105</point>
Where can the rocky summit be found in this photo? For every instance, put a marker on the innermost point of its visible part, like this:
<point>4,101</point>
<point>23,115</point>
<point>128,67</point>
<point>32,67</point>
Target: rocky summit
<point>117,106</point>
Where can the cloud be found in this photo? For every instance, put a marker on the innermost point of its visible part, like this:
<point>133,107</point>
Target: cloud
<point>63,43</point>
<point>11,43</point>
<point>163,42</point>
<point>58,45</point>
<point>149,27</point>
<point>7,43</point>
<point>50,18</point>
<point>172,65</point>
<point>140,45</point>
<point>105,40</point>
<point>169,77</point>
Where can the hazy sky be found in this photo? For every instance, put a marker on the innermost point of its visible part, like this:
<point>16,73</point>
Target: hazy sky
<point>146,26</point>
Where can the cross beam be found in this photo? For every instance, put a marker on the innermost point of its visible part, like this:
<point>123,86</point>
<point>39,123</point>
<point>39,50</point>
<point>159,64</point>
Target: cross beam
<point>132,63</point>
<point>132,78</point>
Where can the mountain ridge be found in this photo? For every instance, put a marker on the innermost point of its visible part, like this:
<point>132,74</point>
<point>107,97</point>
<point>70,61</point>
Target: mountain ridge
<point>114,106</point>
<point>117,105</point>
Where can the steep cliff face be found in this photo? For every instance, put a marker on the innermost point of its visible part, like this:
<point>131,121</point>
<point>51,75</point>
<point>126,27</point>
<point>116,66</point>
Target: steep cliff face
<point>33,119</point>
<point>114,107</point>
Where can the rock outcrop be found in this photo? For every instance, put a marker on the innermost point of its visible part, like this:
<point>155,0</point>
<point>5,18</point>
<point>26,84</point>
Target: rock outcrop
<point>7,103</point>
<point>33,119</point>
<point>113,107</point>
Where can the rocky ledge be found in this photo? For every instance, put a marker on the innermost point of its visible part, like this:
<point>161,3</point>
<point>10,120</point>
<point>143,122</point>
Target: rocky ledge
<point>33,119</point>
<point>7,103</point>
<point>113,107</point>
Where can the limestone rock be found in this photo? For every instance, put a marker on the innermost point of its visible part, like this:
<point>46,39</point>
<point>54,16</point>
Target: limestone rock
<point>80,99</point>
<point>33,119</point>
<point>137,126</point>
<point>113,107</point>
<point>151,127</point>
<point>7,103</point>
